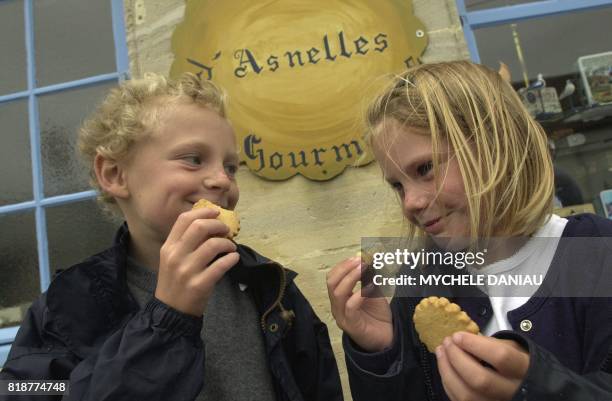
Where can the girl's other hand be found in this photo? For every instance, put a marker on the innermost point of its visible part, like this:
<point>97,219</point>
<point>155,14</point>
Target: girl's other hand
<point>366,320</point>
<point>464,376</point>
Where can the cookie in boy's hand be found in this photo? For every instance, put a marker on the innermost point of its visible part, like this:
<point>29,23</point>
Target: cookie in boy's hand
<point>227,217</point>
<point>437,318</point>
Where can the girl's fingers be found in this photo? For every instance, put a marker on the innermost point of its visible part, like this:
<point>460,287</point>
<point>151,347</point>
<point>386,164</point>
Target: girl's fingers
<point>479,379</point>
<point>353,304</point>
<point>506,357</point>
<point>344,289</point>
<point>336,274</point>
<point>455,387</point>
<point>337,281</point>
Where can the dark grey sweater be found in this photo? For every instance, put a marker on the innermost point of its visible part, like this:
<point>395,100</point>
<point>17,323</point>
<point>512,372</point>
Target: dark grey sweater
<point>235,366</point>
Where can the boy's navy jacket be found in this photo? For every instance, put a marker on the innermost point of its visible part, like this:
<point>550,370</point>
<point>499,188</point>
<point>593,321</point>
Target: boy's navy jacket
<point>569,342</point>
<point>88,329</point>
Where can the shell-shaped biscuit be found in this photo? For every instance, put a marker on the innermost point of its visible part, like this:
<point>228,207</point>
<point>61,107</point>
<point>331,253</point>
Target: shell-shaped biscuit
<point>437,318</point>
<point>227,217</point>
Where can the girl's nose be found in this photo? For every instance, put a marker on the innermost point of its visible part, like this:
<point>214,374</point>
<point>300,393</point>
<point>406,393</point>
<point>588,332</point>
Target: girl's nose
<point>415,201</point>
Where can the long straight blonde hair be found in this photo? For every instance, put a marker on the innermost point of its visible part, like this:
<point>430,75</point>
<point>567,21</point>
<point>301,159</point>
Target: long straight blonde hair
<point>502,152</point>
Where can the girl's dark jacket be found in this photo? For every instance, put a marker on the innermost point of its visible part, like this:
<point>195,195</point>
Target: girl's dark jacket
<point>88,329</point>
<point>569,339</point>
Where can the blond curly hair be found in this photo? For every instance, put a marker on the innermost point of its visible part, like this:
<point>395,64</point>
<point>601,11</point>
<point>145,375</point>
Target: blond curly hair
<point>129,113</point>
<point>501,150</point>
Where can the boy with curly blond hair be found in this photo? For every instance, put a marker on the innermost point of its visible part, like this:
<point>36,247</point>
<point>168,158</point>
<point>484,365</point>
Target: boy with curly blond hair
<point>140,321</point>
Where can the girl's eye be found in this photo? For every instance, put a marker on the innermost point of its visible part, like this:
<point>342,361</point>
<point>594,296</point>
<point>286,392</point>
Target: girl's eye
<point>425,168</point>
<point>231,169</point>
<point>193,159</point>
<point>397,186</point>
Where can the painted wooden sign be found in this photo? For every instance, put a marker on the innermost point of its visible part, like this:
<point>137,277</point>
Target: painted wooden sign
<point>298,74</point>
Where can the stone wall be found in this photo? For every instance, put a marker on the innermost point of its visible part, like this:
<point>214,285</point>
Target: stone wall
<point>305,225</point>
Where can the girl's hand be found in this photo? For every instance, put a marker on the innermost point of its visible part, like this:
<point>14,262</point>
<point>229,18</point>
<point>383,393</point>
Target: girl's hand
<point>187,274</point>
<point>366,320</point>
<point>465,378</point>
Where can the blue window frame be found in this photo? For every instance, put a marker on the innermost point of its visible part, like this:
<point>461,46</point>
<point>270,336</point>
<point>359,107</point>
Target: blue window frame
<point>472,20</point>
<point>40,202</point>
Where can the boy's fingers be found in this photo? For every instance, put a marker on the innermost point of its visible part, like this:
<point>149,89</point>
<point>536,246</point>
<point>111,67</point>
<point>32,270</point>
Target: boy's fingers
<point>505,356</point>
<point>200,231</point>
<point>480,379</point>
<point>216,270</point>
<point>185,219</point>
<point>209,250</point>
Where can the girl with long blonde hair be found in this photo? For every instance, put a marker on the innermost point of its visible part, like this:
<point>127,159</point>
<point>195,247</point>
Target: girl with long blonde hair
<point>470,164</point>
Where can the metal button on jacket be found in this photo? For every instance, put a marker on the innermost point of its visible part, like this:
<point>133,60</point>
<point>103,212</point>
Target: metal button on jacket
<point>526,325</point>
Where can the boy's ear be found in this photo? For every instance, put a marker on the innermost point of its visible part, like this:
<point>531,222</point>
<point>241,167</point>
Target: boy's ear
<point>110,176</point>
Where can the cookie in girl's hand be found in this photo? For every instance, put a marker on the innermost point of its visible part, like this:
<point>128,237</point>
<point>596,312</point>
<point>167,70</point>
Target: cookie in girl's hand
<point>227,217</point>
<point>437,318</point>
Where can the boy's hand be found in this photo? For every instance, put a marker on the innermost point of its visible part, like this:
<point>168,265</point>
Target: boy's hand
<point>465,378</point>
<point>187,274</point>
<point>366,320</point>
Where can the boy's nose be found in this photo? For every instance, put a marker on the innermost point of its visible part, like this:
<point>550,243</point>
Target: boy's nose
<point>217,180</point>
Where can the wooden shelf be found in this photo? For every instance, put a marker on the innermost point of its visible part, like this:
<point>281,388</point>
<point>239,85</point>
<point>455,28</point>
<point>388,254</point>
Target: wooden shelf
<point>562,124</point>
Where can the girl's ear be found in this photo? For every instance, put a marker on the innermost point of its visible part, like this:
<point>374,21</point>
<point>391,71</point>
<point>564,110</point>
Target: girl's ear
<point>111,177</point>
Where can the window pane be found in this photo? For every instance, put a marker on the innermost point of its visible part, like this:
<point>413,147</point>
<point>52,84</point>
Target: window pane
<point>550,45</point>
<point>581,127</point>
<point>587,157</point>
<point>12,42</point>
<point>73,39</point>
<point>19,275</point>
<point>15,160</point>
<point>77,231</point>
<point>61,114</point>
<point>473,5</point>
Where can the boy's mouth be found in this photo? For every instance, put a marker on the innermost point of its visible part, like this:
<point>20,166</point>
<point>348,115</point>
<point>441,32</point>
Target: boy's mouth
<point>216,202</point>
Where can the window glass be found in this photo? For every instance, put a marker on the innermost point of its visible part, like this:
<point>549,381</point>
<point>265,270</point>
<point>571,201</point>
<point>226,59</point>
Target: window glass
<point>15,159</point>
<point>586,156</point>
<point>13,70</point>
<point>550,45</point>
<point>61,114</point>
<point>77,231</point>
<point>567,63</point>
<point>473,5</point>
<point>18,266</point>
<point>73,39</point>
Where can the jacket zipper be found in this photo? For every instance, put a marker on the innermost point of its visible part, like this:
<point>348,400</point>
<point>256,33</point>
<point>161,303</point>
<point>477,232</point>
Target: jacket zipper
<point>287,315</point>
